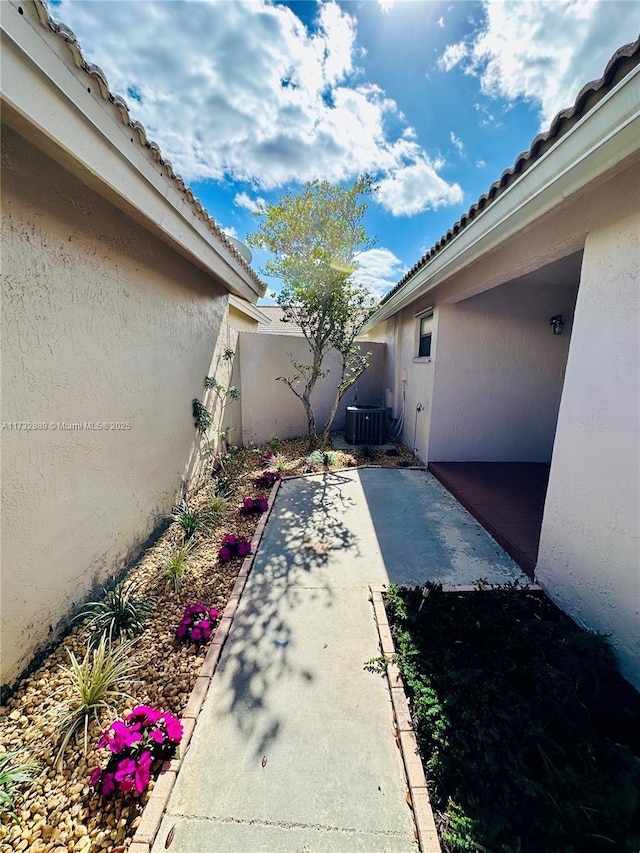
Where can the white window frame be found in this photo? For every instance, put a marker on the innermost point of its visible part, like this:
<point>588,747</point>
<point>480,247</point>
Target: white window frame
<point>427,314</point>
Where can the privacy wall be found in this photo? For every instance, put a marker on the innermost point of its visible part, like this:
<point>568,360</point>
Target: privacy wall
<point>269,408</point>
<point>107,336</point>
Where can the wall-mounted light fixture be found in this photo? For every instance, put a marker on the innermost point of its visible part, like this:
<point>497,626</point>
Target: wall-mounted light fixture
<point>557,324</point>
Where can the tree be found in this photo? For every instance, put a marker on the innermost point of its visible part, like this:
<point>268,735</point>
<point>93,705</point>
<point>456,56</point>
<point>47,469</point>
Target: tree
<point>314,236</point>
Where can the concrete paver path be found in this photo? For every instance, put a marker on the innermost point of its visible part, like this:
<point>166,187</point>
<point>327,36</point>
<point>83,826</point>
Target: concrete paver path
<point>294,747</point>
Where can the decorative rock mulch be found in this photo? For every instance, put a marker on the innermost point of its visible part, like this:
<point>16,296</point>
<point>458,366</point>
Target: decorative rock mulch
<point>60,812</point>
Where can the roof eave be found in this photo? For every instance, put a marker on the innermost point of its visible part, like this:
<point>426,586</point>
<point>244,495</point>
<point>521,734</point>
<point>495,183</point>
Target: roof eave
<point>248,309</point>
<point>88,130</point>
<point>603,138</point>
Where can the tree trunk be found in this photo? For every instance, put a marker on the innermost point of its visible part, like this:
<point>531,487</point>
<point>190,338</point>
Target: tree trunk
<point>311,423</point>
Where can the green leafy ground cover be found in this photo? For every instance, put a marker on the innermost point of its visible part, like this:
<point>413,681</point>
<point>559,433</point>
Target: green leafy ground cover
<point>530,738</point>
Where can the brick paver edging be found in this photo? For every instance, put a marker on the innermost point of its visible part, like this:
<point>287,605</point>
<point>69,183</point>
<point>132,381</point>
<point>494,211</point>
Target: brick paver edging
<point>405,736</point>
<point>159,798</point>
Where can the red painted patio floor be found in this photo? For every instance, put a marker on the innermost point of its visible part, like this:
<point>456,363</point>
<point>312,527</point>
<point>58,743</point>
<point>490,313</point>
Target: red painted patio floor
<point>507,498</point>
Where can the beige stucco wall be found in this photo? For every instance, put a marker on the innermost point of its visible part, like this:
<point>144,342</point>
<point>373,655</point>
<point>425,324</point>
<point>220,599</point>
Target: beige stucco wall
<point>589,558</point>
<point>101,323</point>
<point>271,409</point>
<point>499,372</point>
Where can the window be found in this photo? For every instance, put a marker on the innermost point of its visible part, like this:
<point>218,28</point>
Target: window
<point>424,334</point>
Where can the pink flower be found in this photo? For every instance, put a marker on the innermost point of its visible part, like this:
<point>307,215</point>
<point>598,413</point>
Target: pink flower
<point>125,768</point>
<point>145,713</point>
<point>157,735</point>
<point>224,554</point>
<point>95,777</point>
<point>174,728</point>
<point>143,771</point>
<point>196,634</point>
<point>108,786</point>
<point>214,613</point>
<point>181,630</point>
<point>123,736</point>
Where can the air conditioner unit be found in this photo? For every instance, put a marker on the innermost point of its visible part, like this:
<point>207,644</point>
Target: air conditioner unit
<point>365,425</point>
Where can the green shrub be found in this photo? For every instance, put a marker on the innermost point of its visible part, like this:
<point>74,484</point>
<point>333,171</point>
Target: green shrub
<point>322,458</point>
<point>202,417</point>
<point>529,734</point>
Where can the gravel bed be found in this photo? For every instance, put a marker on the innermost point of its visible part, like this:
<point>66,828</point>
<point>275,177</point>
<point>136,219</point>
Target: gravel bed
<point>59,812</point>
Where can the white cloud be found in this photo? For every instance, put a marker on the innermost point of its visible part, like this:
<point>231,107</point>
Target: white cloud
<point>243,91</point>
<point>378,270</point>
<point>253,205</point>
<point>453,55</point>
<point>544,51</point>
<point>440,22</point>
<point>229,230</point>
<point>480,164</point>
<point>416,187</point>
<point>457,142</point>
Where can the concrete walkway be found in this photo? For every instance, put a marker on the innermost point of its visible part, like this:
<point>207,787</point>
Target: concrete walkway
<point>294,747</point>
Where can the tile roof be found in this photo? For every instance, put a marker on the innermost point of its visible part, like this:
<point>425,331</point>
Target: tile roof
<point>624,60</point>
<point>276,325</point>
<point>152,148</point>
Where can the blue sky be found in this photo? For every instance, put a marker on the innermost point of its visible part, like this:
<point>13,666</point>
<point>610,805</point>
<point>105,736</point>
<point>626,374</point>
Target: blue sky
<point>435,99</point>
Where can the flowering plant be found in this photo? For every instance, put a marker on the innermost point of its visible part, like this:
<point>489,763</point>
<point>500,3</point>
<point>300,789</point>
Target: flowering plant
<point>233,546</point>
<point>310,468</point>
<point>197,623</point>
<point>144,737</point>
<point>350,462</point>
<point>255,504</point>
<point>267,479</point>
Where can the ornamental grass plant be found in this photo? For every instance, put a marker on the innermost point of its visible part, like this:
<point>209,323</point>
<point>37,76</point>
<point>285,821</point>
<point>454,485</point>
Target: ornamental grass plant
<point>15,773</point>
<point>176,564</point>
<point>120,613</point>
<point>95,685</point>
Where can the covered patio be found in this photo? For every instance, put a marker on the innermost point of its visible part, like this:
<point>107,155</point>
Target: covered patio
<point>507,498</point>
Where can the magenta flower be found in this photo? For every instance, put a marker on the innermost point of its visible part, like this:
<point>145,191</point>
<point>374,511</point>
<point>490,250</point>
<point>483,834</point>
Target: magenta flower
<point>125,768</point>
<point>108,785</point>
<point>224,554</point>
<point>122,736</point>
<point>143,771</point>
<point>144,736</point>
<point>174,728</point>
<point>214,614</point>
<point>144,713</point>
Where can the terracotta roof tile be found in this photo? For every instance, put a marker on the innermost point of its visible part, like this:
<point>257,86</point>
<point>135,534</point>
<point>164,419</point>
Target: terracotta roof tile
<point>624,60</point>
<point>153,149</point>
<point>276,325</point>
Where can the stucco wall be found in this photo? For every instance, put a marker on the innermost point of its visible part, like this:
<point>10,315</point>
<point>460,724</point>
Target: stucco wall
<point>499,372</point>
<point>101,323</point>
<point>271,409</point>
<point>589,558</point>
